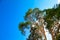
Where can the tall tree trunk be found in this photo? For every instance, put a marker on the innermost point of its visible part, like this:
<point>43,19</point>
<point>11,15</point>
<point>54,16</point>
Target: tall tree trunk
<point>43,32</point>
<point>52,34</point>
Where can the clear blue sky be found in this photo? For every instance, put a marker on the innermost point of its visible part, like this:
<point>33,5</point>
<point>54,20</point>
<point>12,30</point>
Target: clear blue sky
<point>12,12</point>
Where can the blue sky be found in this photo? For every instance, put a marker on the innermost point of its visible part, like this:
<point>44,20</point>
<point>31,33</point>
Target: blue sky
<point>12,12</point>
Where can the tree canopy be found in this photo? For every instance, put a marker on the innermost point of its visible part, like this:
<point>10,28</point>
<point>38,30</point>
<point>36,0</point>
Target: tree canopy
<point>34,18</point>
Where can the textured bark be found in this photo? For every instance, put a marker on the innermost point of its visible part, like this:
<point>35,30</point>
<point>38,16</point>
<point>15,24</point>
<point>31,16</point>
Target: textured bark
<point>52,33</point>
<point>43,31</point>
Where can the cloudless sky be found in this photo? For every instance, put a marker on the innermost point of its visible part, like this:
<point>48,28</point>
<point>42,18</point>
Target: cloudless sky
<point>12,12</point>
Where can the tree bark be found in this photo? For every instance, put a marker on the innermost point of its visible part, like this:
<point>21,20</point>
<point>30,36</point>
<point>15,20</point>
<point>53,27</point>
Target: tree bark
<point>52,34</point>
<point>43,32</point>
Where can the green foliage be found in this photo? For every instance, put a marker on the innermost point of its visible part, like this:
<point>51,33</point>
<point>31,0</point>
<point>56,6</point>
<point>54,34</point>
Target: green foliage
<point>23,25</point>
<point>49,25</point>
<point>33,14</point>
<point>28,13</point>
